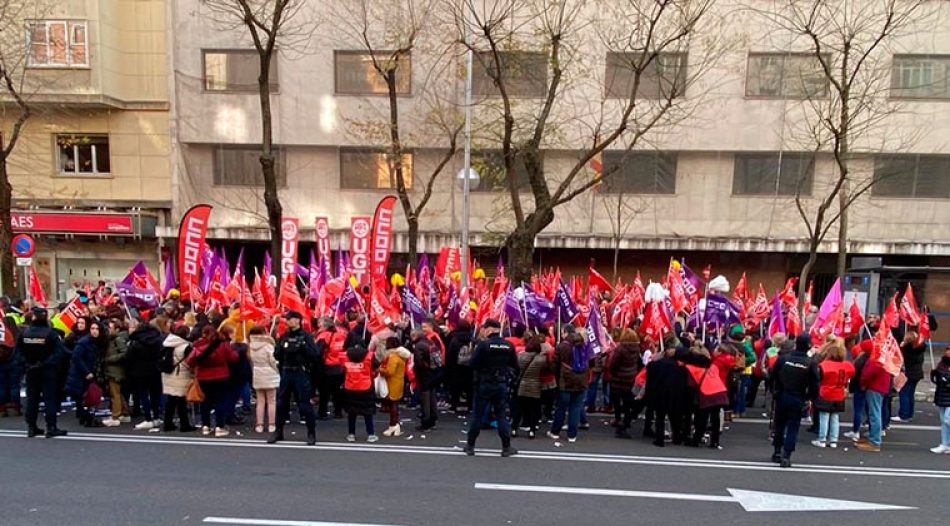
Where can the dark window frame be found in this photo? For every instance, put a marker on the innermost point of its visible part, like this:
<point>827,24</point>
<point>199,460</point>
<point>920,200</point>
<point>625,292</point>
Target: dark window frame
<point>752,55</point>
<point>351,52</point>
<point>274,80</point>
<point>628,160</point>
<point>741,160</point>
<point>344,150</point>
<point>94,157</point>
<point>483,85</point>
<point>894,90</point>
<point>498,183</point>
<point>217,179</point>
<point>645,77</point>
<point>915,183</point>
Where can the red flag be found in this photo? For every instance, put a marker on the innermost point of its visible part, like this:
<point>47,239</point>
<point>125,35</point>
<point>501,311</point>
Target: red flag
<point>741,293</point>
<point>360,229</point>
<point>908,308</point>
<point>73,311</point>
<point>891,315</point>
<point>290,297</point>
<point>677,289</point>
<point>594,279</point>
<point>381,312</point>
<point>806,301</point>
<point>382,243</point>
<point>655,321</point>
<point>924,326</point>
<point>249,308</point>
<point>216,292</point>
<point>6,335</point>
<point>707,271</point>
<point>788,295</point>
<point>887,351</point>
<point>289,236</point>
<point>637,295</point>
<point>191,245</point>
<point>759,311</point>
<point>35,289</point>
<point>855,317</point>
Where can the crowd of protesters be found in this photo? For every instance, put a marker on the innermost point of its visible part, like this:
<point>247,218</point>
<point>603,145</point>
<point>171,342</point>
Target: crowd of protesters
<point>155,368</point>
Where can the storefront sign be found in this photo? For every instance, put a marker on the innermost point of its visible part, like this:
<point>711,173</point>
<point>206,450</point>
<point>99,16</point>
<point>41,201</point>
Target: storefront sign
<point>68,223</point>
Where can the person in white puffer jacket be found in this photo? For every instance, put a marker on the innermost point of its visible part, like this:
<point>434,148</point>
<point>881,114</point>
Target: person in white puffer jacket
<point>266,378</point>
<point>175,384</point>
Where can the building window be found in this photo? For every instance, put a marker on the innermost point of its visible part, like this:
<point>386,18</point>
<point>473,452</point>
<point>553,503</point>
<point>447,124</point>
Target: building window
<point>524,74</point>
<point>57,44</point>
<point>490,165</point>
<point>639,172</point>
<point>368,169</point>
<point>238,165</point>
<point>773,173</point>
<point>83,154</point>
<point>920,77</point>
<point>236,70</point>
<point>664,77</point>
<point>921,176</point>
<point>355,74</point>
<point>785,76</point>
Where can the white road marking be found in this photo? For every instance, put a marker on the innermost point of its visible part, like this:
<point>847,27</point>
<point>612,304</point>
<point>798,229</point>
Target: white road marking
<point>751,501</point>
<point>277,522</point>
<point>910,427</point>
<point>523,455</point>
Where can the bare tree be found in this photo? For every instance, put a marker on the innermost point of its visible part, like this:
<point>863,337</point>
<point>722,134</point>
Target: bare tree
<point>647,39</point>
<point>850,42</point>
<point>390,31</point>
<point>622,209</point>
<point>272,25</point>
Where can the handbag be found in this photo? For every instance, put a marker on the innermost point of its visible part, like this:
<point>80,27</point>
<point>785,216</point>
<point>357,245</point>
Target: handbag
<point>92,396</point>
<point>382,386</point>
<point>194,394</point>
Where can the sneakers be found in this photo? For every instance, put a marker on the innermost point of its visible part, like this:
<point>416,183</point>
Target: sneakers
<point>111,422</point>
<point>869,447</point>
<point>552,436</point>
<point>125,419</point>
<point>940,450</point>
<point>372,438</point>
<point>531,435</point>
<point>220,432</point>
<point>144,425</point>
<point>351,438</point>
<point>817,443</point>
<point>899,419</point>
<point>258,428</point>
<point>205,430</point>
<point>271,428</point>
<point>853,435</point>
<point>833,445</point>
<point>571,440</point>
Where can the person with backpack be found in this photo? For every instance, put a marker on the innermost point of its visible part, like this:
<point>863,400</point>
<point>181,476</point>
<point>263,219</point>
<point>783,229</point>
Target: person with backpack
<point>266,378</point>
<point>142,369</point>
<point>176,379</point>
<point>571,359</point>
<point>427,364</point>
<point>494,362</point>
<point>393,370</point>
<point>527,408</point>
<point>458,369</point>
<point>209,359</point>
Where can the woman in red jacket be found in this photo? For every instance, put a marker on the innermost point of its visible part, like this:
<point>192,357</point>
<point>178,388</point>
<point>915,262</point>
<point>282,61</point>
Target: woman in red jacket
<point>209,358</point>
<point>836,372</point>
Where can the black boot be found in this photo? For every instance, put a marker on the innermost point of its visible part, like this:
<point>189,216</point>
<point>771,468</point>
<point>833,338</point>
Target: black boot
<point>777,456</point>
<point>34,431</point>
<point>54,432</point>
<point>508,451</point>
<point>277,436</point>
<point>311,435</point>
<point>786,460</point>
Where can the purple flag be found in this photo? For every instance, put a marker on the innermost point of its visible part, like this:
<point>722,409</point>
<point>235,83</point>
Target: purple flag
<point>170,281</point>
<point>777,321</point>
<point>512,310</point>
<point>453,307</point>
<point>225,268</point>
<point>136,289</point>
<point>412,306</point>
<point>302,271</point>
<point>347,301</point>
<point>692,284</point>
<point>342,263</point>
<point>267,265</point>
<point>207,270</point>
<point>596,338</point>
<point>540,311</point>
<point>314,283</point>
<point>567,308</point>
<point>720,310</point>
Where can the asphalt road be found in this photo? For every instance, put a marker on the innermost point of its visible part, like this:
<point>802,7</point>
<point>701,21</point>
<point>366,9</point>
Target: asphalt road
<point>120,476</point>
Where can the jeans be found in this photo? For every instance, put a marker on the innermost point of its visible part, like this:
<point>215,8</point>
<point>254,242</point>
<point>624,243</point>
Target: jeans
<point>490,397</point>
<point>742,392</point>
<point>828,421</point>
<point>874,402</point>
<point>430,411</point>
<point>859,404</point>
<point>571,403</point>
<point>944,414</point>
<point>788,418</point>
<point>591,401</point>
<point>906,396</point>
<point>143,395</point>
<point>351,424</point>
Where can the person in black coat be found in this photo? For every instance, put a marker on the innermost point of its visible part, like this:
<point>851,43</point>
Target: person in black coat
<point>459,375</point>
<point>142,369</point>
<point>913,350</point>
<point>82,372</point>
<point>666,394</point>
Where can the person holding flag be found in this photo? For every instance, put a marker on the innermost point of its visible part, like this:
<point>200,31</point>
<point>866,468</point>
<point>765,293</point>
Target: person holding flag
<point>913,349</point>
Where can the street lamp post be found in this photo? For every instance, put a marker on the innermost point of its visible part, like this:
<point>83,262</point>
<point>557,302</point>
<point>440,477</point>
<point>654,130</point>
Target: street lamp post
<point>466,174</point>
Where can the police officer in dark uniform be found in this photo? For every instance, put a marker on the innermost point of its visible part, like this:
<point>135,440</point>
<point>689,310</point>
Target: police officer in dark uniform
<point>494,362</point>
<point>40,351</point>
<point>796,382</point>
<point>296,354</point>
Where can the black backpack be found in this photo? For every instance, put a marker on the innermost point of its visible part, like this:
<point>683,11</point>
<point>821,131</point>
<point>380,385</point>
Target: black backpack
<point>168,364</point>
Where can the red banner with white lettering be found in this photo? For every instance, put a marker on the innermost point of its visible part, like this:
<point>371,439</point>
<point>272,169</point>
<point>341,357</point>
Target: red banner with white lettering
<point>191,245</point>
<point>360,227</point>
<point>73,311</point>
<point>289,234</point>
<point>382,244</point>
<point>323,237</point>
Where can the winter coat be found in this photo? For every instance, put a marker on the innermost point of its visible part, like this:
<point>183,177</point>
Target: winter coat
<point>115,356</point>
<point>530,366</point>
<point>913,360</point>
<point>144,353</point>
<point>623,366</point>
<point>83,363</point>
<point>360,402</point>
<point>568,380</point>
<point>176,383</point>
<point>394,371</point>
<point>266,375</point>
<point>241,328</point>
<point>875,378</point>
<point>425,376</point>
<point>941,378</point>
<point>210,360</point>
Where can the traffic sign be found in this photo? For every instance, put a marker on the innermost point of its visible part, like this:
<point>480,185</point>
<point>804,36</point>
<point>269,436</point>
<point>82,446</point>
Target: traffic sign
<point>23,246</point>
<point>24,262</point>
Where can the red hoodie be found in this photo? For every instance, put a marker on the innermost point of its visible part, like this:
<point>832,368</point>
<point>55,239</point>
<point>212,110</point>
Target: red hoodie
<point>215,365</point>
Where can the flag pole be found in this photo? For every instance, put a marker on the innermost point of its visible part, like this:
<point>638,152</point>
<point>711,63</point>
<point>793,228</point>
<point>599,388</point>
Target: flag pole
<point>930,346</point>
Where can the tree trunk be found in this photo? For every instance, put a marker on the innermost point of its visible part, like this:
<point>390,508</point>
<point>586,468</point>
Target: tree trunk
<point>413,235</point>
<point>6,234</point>
<point>268,162</point>
<point>842,267</point>
<point>520,255</point>
<point>616,256</point>
<point>806,272</point>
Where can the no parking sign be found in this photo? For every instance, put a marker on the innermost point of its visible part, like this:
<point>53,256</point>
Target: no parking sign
<point>23,247</point>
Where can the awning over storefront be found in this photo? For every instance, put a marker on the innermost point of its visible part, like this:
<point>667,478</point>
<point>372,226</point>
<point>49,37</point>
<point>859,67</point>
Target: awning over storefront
<point>82,223</point>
